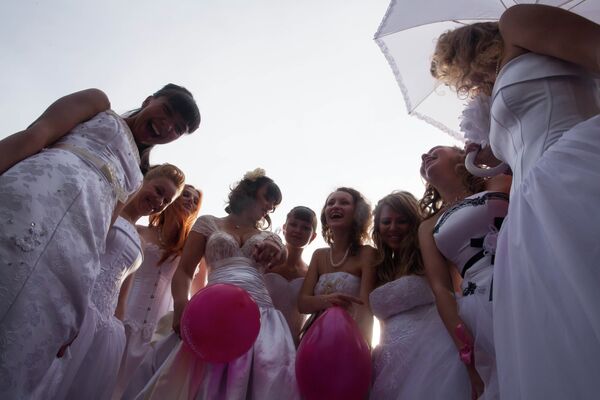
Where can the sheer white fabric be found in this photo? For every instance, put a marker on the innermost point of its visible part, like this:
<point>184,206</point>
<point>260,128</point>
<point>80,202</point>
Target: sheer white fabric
<point>56,212</point>
<point>266,371</point>
<point>545,125</point>
<point>465,234</point>
<point>416,358</point>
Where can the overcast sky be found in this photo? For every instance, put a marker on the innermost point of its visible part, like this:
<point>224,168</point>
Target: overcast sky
<point>296,87</point>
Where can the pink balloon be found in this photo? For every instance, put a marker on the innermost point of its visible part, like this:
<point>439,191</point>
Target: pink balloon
<point>220,323</point>
<point>333,360</point>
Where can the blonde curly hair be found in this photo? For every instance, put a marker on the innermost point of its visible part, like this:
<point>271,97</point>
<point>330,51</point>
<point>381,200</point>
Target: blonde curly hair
<point>466,58</point>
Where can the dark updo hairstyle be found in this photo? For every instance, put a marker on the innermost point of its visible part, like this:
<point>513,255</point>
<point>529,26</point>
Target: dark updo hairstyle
<point>360,222</point>
<point>304,214</point>
<point>407,259</point>
<point>244,193</point>
<point>182,102</point>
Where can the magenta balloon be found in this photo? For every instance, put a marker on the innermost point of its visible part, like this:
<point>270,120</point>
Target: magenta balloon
<point>333,360</point>
<point>220,323</point>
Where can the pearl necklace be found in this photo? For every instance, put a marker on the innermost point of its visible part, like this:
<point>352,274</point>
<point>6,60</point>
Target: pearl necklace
<point>335,265</point>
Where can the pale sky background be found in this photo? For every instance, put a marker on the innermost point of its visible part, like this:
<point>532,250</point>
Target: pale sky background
<point>298,88</point>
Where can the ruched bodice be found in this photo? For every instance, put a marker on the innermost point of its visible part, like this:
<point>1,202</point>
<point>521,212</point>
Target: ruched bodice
<point>338,282</point>
<point>238,271</point>
<point>123,254</point>
<point>401,295</point>
<point>467,231</point>
<point>536,99</point>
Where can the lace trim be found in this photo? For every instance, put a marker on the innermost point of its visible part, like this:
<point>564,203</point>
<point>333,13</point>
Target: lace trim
<point>468,202</point>
<point>407,101</point>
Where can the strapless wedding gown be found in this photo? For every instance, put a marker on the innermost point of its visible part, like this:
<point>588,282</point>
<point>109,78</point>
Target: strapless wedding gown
<point>267,370</point>
<point>284,295</point>
<point>466,235</point>
<point>415,358</point>
<point>546,126</point>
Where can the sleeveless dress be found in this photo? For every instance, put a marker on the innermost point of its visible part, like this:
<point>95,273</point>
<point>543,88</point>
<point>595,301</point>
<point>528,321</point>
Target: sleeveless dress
<point>415,358</point>
<point>57,207</point>
<point>546,126</point>
<point>91,371</point>
<point>466,235</point>
<point>284,295</point>
<point>148,300</point>
<point>267,370</point>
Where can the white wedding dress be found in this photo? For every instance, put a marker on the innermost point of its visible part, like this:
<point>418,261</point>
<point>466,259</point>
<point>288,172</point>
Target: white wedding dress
<point>546,126</point>
<point>267,370</point>
<point>148,300</point>
<point>466,235</point>
<point>57,206</point>
<point>415,358</point>
<point>90,372</point>
<point>284,295</point>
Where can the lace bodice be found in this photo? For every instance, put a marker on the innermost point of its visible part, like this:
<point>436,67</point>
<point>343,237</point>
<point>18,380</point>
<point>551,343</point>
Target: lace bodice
<point>399,296</point>
<point>123,254</point>
<point>535,100</point>
<point>469,228</point>
<point>338,282</point>
<point>221,245</point>
<point>106,142</point>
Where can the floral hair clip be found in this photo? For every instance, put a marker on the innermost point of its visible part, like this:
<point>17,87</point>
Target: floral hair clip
<point>254,174</point>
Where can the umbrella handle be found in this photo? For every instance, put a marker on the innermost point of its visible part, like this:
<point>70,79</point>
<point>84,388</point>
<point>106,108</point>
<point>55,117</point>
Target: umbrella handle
<point>482,172</point>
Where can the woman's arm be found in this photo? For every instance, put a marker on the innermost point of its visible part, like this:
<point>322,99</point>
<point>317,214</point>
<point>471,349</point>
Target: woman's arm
<point>308,302</point>
<point>551,31</point>
<point>364,316</point>
<point>60,118</point>
<point>193,251</point>
<point>440,279</point>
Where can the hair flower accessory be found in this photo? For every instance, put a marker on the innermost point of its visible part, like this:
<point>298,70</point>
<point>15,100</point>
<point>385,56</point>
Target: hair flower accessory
<point>475,120</point>
<point>254,174</point>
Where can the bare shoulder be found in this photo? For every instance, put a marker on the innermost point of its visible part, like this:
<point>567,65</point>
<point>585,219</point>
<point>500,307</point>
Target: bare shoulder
<point>368,254</point>
<point>426,227</point>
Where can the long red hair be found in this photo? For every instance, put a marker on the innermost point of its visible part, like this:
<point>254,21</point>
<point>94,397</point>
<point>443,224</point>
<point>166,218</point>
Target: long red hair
<point>178,216</point>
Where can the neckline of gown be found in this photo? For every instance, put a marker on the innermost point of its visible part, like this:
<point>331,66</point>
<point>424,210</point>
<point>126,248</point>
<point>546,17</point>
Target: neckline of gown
<point>289,281</point>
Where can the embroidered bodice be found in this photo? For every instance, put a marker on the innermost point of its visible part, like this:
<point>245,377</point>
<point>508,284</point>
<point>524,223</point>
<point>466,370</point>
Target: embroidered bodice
<point>400,295</point>
<point>123,254</point>
<point>106,142</point>
<point>467,231</point>
<point>221,245</point>
<point>535,100</point>
<point>338,282</point>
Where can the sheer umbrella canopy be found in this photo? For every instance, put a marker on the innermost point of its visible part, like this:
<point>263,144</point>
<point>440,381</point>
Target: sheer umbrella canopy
<point>407,37</point>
